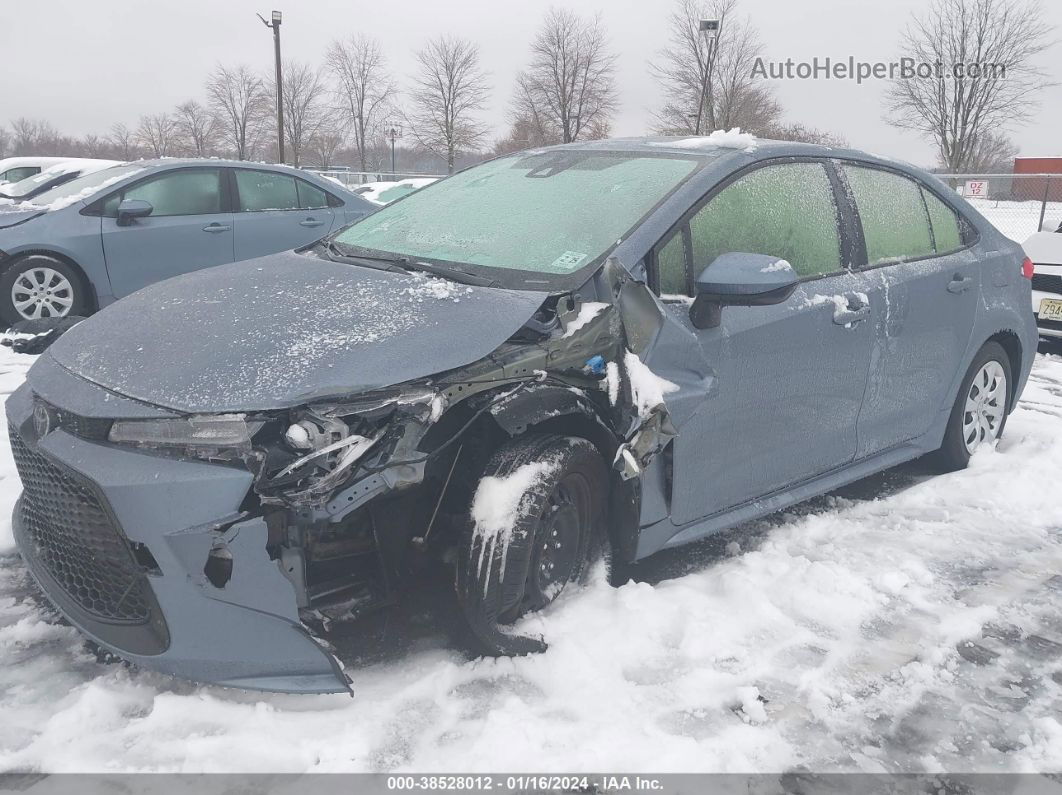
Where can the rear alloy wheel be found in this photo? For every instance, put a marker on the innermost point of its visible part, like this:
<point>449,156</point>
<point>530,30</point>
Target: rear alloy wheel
<point>39,287</point>
<point>505,573</point>
<point>986,406</point>
<point>980,411</point>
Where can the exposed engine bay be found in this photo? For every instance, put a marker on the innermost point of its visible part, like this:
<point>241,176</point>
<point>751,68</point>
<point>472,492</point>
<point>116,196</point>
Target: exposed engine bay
<point>359,494</point>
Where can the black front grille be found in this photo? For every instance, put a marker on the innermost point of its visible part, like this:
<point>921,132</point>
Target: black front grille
<point>1047,283</point>
<point>73,537</point>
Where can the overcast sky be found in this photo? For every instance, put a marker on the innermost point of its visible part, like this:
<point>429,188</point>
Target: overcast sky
<point>85,64</point>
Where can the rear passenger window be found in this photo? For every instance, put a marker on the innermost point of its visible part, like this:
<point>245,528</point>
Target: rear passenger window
<point>311,197</point>
<point>945,223</point>
<point>180,192</point>
<point>19,173</point>
<point>266,190</point>
<point>785,211</point>
<point>894,217</point>
<point>671,267</point>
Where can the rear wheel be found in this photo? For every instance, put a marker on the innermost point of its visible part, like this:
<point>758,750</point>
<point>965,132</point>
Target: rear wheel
<point>980,411</point>
<point>537,511</point>
<point>37,286</point>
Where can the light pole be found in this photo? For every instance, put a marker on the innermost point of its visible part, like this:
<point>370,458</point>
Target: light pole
<point>275,25</point>
<point>709,28</point>
<point>393,135</point>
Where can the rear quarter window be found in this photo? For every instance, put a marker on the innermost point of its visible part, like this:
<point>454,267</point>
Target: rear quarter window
<point>946,231</point>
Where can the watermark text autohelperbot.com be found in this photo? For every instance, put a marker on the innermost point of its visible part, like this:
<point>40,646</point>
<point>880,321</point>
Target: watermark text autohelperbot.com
<point>851,69</point>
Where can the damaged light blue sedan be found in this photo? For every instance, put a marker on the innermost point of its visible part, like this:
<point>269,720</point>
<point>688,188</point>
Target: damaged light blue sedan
<point>608,348</point>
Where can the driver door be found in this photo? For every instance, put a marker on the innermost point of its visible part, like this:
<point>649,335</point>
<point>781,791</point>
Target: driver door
<point>189,228</point>
<point>788,379</point>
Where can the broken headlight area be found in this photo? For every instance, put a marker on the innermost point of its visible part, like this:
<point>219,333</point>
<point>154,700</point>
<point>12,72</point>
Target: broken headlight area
<point>221,438</point>
<point>310,452</point>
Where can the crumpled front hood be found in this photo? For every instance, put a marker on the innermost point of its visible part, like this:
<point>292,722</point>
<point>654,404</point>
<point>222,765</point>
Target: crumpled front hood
<point>12,217</point>
<point>281,330</point>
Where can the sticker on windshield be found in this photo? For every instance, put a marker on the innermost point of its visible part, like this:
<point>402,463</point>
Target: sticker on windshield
<point>568,261</point>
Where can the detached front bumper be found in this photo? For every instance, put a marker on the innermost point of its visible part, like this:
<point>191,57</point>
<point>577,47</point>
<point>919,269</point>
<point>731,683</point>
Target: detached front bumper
<point>118,541</point>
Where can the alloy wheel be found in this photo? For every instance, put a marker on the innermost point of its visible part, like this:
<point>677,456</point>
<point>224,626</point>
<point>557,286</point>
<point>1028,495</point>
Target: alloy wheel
<point>985,408</point>
<point>42,292</point>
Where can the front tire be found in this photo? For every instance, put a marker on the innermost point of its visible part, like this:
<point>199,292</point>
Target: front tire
<point>980,410</point>
<point>537,511</point>
<point>38,286</point>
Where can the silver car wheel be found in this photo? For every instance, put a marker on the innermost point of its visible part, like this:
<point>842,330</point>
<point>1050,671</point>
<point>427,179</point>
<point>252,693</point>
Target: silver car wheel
<point>42,292</point>
<point>986,404</point>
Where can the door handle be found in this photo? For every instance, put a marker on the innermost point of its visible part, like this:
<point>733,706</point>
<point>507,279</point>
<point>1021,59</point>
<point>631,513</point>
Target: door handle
<point>216,227</point>
<point>849,317</point>
<point>311,222</point>
<point>959,284</point>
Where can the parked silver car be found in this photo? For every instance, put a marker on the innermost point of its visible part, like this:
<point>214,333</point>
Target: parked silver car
<point>79,246</point>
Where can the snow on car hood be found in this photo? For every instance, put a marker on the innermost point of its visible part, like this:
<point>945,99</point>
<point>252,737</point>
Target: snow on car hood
<point>281,330</point>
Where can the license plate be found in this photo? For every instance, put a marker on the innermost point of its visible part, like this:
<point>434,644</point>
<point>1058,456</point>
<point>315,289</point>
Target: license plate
<point>1050,309</point>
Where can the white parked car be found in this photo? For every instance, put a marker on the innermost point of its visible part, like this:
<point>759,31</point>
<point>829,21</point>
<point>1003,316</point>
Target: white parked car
<point>387,192</point>
<point>15,169</point>
<point>52,177</point>
<point>1045,250</point>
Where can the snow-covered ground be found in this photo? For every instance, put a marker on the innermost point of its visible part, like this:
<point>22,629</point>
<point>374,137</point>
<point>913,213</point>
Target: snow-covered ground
<point>907,623</point>
<point>1017,220</point>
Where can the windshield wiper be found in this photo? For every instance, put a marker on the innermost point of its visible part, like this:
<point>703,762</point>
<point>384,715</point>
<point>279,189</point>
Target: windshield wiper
<point>400,263</point>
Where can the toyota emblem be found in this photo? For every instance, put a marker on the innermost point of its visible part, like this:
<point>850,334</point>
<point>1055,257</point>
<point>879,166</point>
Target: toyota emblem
<point>42,420</point>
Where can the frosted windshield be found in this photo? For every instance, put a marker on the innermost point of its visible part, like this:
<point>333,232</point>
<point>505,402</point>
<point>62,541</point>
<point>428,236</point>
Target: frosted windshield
<point>553,212</point>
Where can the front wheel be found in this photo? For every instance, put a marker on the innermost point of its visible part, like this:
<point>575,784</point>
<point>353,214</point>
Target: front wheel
<point>537,511</point>
<point>980,411</point>
<point>37,286</point>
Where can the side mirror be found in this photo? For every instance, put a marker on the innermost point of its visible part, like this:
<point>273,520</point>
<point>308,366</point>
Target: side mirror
<point>1051,225</point>
<point>740,279</point>
<point>131,209</point>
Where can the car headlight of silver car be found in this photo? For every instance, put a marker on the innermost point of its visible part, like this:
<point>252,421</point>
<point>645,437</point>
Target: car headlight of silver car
<point>222,437</point>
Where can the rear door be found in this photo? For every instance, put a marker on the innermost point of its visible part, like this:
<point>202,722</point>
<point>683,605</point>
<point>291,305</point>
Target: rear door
<point>790,377</point>
<point>923,284</point>
<point>277,212</point>
<point>189,228</point>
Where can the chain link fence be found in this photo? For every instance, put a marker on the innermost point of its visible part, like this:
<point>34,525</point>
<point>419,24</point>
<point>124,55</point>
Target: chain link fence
<point>1017,204</point>
<point>353,179</point>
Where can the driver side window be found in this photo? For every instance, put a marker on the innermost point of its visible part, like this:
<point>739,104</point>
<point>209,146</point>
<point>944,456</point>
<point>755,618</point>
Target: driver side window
<point>785,211</point>
<point>181,192</point>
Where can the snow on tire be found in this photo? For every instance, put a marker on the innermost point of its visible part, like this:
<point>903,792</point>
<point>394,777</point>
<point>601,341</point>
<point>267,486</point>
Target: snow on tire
<point>535,510</point>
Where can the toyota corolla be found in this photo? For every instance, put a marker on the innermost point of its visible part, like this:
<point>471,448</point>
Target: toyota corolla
<point>605,348</point>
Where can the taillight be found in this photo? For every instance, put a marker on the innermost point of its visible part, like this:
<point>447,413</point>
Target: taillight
<point>1027,268</point>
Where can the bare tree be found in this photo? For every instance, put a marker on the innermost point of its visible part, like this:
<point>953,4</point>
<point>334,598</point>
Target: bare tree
<point>569,84</point>
<point>992,153</point>
<point>322,148</point>
<point>123,140</point>
<point>5,141</point>
<point>240,103</point>
<point>35,137</point>
<point>304,108</point>
<point>733,96</point>
<point>995,43</point>
<point>94,146</point>
<point>448,90</point>
<point>155,133</point>
<point>795,131</point>
<point>364,87</point>
<point>194,127</point>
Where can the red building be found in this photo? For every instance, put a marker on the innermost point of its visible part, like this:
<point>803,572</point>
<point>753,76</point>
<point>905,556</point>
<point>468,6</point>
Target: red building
<point>1034,188</point>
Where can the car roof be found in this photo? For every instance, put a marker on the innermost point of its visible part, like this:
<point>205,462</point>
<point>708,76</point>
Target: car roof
<point>29,160</point>
<point>728,144</point>
<point>169,162</point>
